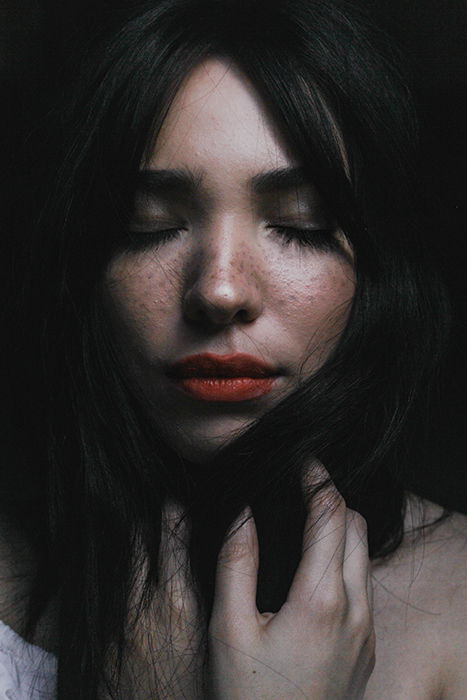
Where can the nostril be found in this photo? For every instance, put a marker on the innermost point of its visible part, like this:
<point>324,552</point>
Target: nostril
<point>223,286</point>
<point>217,304</point>
<point>202,311</point>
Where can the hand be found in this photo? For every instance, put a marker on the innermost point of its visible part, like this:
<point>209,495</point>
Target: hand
<point>320,645</point>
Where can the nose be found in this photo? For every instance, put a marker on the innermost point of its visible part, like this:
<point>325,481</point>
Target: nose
<point>224,285</point>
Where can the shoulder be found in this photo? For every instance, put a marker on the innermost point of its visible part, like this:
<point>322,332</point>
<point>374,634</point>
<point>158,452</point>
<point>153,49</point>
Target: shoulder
<point>437,540</point>
<point>443,585</point>
<point>431,558</point>
<point>421,594</point>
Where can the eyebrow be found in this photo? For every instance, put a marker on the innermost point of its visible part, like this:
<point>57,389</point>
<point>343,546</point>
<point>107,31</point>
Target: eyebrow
<point>177,181</point>
<point>280,179</point>
<point>167,182</point>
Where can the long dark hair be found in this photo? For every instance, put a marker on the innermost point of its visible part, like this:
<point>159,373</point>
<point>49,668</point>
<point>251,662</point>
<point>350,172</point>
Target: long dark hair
<point>96,470</point>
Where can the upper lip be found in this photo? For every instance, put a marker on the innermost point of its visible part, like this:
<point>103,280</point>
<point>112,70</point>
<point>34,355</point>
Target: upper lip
<point>210,365</point>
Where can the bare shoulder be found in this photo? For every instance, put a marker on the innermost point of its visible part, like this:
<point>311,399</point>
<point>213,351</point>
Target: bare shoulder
<point>431,559</point>
<point>432,555</point>
<point>439,537</point>
<point>441,551</point>
<point>420,596</point>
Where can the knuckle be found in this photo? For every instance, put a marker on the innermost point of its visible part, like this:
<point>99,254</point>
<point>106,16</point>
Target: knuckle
<point>321,491</point>
<point>239,546</point>
<point>357,521</point>
<point>232,552</point>
<point>331,499</point>
<point>331,605</point>
<point>361,623</point>
<point>338,499</point>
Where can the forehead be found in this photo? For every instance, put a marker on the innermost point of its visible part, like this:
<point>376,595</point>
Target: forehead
<point>218,122</point>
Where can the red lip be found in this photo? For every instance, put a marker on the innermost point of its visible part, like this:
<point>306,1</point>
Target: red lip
<point>210,365</point>
<point>236,377</point>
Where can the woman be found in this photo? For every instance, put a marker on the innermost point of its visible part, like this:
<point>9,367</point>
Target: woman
<point>224,289</point>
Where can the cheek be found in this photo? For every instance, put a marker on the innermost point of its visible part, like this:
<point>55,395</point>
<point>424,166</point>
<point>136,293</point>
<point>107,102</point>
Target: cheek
<point>314,292</point>
<point>316,302</point>
<point>142,299</point>
<point>333,293</point>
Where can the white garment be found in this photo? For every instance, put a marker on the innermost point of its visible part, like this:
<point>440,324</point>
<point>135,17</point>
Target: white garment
<point>27,672</point>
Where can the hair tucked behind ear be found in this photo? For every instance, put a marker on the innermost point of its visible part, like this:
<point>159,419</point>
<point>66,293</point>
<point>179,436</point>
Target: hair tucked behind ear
<point>96,469</point>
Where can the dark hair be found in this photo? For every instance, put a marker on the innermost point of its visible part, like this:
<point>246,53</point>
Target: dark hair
<point>96,470</point>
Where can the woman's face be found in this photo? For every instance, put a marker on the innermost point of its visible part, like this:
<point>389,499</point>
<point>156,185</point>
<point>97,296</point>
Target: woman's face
<point>235,284</point>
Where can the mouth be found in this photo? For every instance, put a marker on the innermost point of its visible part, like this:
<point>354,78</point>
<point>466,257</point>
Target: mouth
<point>236,377</point>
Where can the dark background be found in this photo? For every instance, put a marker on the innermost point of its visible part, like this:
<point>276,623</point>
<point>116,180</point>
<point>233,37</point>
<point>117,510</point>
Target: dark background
<point>432,35</point>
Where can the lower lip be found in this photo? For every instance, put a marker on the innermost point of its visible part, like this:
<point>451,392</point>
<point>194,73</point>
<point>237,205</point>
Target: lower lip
<point>226,388</point>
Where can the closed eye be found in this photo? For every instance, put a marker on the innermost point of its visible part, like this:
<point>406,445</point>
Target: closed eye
<point>142,240</point>
<point>318,238</point>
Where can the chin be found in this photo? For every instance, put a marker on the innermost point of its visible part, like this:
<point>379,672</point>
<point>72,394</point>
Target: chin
<point>198,451</point>
<point>202,445</point>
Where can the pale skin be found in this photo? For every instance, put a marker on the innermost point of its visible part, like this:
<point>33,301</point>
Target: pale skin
<point>228,283</point>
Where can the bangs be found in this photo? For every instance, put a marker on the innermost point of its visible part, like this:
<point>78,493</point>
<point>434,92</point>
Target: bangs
<point>316,80</point>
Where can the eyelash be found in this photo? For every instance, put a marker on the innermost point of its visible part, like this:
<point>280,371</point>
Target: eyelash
<point>142,240</point>
<point>321,239</point>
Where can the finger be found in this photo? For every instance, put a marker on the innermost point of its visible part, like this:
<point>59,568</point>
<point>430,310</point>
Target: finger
<point>314,475</point>
<point>320,568</point>
<point>356,562</point>
<point>237,572</point>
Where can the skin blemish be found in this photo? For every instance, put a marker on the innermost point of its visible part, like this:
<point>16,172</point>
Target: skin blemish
<point>236,277</point>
